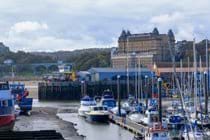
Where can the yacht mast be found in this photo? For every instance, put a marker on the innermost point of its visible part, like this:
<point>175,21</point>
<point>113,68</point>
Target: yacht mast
<point>195,77</point>
<point>177,81</point>
<point>139,77</point>
<point>188,75</point>
<point>181,75</point>
<point>127,65</point>
<point>136,80</point>
<point>207,79</point>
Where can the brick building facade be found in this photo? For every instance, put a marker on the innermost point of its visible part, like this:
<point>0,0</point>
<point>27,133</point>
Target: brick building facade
<point>144,49</point>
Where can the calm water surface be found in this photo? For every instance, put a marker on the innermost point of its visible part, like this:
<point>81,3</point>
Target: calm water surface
<point>92,131</point>
<point>97,131</point>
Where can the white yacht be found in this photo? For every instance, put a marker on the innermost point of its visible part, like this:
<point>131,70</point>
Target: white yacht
<point>202,120</point>
<point>116,111</point>
<point>85,105</point>
<point>150,117</point>
<point>136,117</point>
<point>196,135</point>
<point>97,114</point>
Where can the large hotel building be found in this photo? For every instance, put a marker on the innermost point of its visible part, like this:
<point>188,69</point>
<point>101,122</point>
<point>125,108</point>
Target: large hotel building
<point>140,49</point>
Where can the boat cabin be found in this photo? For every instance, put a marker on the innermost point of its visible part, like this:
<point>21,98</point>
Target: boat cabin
<point>88,101</point>
<point>4,86</point>
<point>157,132</point>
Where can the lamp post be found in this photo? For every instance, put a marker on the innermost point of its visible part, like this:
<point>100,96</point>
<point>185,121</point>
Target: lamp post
<point>146,89</point>
<point>83,88</point>
<point>160,98</point>
<point>118,94</point>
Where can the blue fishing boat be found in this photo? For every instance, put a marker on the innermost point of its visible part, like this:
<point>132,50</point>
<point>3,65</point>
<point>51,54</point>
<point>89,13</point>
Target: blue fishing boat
<point>7,112</point>
<point>20,93</point>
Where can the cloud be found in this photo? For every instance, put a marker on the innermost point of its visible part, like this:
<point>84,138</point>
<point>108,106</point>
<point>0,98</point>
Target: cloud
<point>27,26</point>
<point>167,18</point>
<point>36,42</point>
<point>186,26</point>
<point>68,24</point>
<point>185,32</point>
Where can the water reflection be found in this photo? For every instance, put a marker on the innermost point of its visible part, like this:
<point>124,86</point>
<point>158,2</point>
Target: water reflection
<point>97,131</point>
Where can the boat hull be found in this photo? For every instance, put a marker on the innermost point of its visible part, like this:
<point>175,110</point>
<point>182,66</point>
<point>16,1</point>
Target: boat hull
<point>98,118</point>
<point>193,136</point>
<point>83,110</point>
<point>175,125</point>
<point>206,125</point>
<point>7,122</point>
<point>81,113</point>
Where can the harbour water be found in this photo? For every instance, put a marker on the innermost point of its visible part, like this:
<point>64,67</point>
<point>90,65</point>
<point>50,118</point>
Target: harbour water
<point>95,131</point>
<point>91,131</point>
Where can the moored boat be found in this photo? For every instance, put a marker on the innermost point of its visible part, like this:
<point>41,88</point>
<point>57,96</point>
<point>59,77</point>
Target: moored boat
<point>85,105</point>
<point>196,134</point>
<point>136,117</point>
<point>176,121</point>
<point>97,114</point>
<point>7,112</point>
<point>116,111</point>
<point>130,104</point>
<point>138,137</point>
<point>202,120</point>
<point>20,93</point>
<point>157,132</point>
<point>108,101</point>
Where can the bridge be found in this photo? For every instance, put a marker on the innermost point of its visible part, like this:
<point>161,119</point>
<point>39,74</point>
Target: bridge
<point>48,64</point>
<point>35,67</point>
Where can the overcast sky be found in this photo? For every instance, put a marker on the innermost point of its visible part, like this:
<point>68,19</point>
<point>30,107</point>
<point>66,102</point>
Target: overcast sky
<point>51,25</point>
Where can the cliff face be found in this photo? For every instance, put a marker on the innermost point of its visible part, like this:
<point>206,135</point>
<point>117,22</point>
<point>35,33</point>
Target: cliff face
<point>3,48</point>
